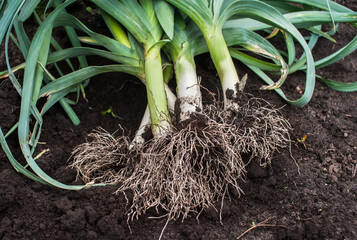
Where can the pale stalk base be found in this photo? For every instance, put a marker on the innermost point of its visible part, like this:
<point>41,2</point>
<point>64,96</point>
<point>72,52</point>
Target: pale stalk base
<point>139,140</point>
<point>225,67</point>
<point>188,89</point>
<point>171,98</point>
<point>230,83</point>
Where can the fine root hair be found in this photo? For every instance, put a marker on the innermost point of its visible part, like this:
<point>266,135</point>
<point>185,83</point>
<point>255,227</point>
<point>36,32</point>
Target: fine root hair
<point>104,159</point>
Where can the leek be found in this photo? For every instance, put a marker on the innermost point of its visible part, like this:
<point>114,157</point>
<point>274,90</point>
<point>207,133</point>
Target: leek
<point>141,22</point>
<point>206,20</point>
<point>181,51</point>
<point>141,30</point>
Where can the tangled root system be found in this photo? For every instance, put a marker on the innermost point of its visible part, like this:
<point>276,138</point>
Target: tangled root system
<point>186,171</point>
<point>193,166</point>
<point>104,159</point>
<point>255,127</point>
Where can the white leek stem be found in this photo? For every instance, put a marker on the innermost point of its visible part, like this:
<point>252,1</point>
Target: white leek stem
<point>171,98</point>
<point>188,89</point>
<point>139,140</point>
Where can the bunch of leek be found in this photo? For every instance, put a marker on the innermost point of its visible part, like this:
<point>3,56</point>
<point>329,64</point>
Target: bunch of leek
<point>150,36</point>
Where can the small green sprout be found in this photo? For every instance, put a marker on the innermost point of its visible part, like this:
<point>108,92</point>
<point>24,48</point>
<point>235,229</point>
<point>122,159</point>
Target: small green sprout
<point>109,111</point>
<point>89,9</point>
<point>302,141</point>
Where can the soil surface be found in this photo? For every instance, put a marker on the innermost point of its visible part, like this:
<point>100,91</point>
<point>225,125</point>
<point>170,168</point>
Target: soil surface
<point>318,203</point>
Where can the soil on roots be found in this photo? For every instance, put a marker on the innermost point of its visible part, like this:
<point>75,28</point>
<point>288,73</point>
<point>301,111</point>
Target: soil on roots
<point>320,203</point>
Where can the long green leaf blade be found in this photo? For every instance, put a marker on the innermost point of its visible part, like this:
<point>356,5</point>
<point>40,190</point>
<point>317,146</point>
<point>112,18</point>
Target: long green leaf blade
<point>165,14</point>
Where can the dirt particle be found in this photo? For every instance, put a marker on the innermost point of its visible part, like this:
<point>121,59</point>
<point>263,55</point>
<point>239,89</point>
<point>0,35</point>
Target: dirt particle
<point>92,235</point>
<point>73,220</point>
<point>109,225</point>
<point>190,233</point>
<point>229,94</point>
<point>271,181</point>
<point>5,225</point>
<point>256,171</point>
<point>42,226</point>
<point>7,197</point>
<point>226,211</point>
<point>92,214</point>
<point>64,204</point>
<point>111,199</point>
<point>36,186</point>
<point>354,191</point>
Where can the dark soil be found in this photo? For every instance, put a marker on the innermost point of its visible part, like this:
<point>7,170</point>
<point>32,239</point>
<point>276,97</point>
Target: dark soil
<point>318,203</point>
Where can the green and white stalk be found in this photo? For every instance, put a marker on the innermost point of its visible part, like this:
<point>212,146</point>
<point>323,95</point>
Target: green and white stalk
<point>141,22</point>
<point>210,17</point>
<point>181,51</point>
<point>188,89</point>
<point>223,62</point>
<point>156,95</point>
<point>145,123</point>
<point>206,18</point>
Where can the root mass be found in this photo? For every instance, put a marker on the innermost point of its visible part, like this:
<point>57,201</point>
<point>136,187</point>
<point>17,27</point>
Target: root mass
<point>191,168</point>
